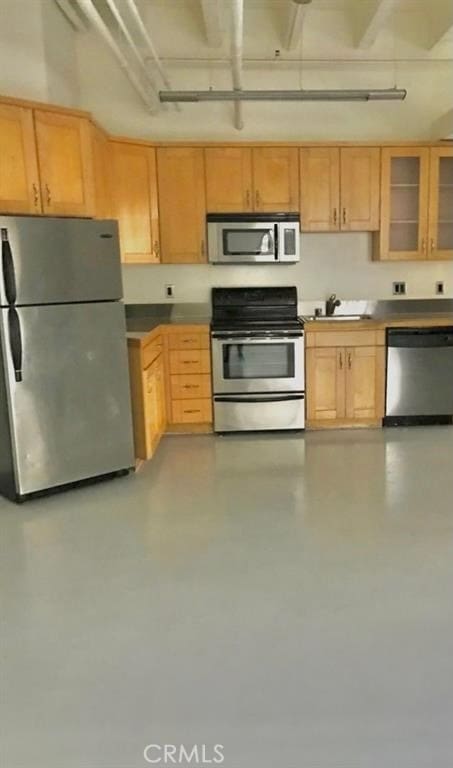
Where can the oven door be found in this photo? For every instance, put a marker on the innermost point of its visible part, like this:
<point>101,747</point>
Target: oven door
<point>242,242</point>
<point>270,363</point>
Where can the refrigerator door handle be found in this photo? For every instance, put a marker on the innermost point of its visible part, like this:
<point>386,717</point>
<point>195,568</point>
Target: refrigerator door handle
<point>9,278</point>
<point>15,342</point>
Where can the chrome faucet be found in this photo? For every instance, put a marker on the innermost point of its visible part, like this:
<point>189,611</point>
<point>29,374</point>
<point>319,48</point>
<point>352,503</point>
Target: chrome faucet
<point>331,304</point>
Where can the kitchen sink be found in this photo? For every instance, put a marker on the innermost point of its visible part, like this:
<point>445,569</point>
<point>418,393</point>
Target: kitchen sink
<point>340,318</point>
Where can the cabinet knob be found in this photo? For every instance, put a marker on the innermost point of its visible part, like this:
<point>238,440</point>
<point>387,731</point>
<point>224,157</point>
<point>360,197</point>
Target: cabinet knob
<point>35,195</point>
<point>48,196</point>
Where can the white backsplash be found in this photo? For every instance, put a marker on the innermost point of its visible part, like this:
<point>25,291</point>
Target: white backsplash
<point>330,263</point>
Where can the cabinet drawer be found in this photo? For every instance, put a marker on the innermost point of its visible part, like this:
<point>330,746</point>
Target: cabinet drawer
<point>188,341</point>
<point>192,411</point>
<point>190,361</point>
<point>343,339</point>
<point>151,352</point>
<point>191,386</point>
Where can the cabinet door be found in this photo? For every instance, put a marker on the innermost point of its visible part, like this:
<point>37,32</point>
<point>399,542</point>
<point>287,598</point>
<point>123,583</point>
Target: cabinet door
<point>275,178</point>
<point>325,383</point>
<point>19,181</point>
<point>134,198</point>
<point>360,188</point>
<point>228,179</point>
<point>101,168</point>
<point>65,164</point>
<point>161,400</point>
<point>404,204</point>
<point>182,207</point>
<point>319,189</point>
<point>441,204</point>
<point>151,409</point>
<point>365,376</point>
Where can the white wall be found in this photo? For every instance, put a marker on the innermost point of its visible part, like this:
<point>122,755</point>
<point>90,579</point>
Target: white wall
<point>37,52</point>
<point>329,263</point>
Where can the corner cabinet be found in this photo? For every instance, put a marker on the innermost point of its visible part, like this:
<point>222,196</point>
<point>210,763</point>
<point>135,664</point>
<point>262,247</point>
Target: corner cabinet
<point>440,229</point>
<point>345,378</point>
<point>134,201</point>
<point>182,205</point>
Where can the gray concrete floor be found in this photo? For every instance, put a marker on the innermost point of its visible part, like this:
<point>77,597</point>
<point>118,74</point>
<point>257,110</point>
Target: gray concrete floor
<point>289,598</point>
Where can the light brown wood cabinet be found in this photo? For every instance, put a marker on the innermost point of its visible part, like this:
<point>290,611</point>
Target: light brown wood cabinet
<point>19,178</point>
<point>440,215</point>
<point>251,179</point>
<point>147,378</point>
<point>345,384</point>
<point>189,377</point>
<point>339,189</point>
<point>134,201</point>
<point>182,205</point>
<point>101,171</point>
<point>65,164</point>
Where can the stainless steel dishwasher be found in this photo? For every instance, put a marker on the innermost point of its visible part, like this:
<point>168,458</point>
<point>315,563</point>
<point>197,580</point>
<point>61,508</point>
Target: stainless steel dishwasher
<point>419,376</point>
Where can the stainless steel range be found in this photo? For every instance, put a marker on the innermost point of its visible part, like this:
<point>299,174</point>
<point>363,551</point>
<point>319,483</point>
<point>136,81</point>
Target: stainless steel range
<point>257,344</point>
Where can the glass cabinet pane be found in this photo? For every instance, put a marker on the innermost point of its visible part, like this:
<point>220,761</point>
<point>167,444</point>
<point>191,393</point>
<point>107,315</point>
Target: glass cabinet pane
<point>445,210</point>
<point>404,203</point>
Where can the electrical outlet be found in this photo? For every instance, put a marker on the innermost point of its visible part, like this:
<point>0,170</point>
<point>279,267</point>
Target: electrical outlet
<point>169,291</point>
<point>399,288</point>
<point>440,288</point>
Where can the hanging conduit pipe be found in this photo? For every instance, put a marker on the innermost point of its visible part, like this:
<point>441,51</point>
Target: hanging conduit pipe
<point>236,58</point>
<point>150,98</point>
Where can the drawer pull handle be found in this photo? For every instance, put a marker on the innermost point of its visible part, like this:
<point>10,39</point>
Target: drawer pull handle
<point>344,215</point>
<point>341,362</point>
<point>48,196</point>
<point>349,361</point>
<point>190,386</point>
<point>335,216</point>
<point>35,195</point>
<point>189,362</point>
<point>192,410</point>
<point>156,248</point>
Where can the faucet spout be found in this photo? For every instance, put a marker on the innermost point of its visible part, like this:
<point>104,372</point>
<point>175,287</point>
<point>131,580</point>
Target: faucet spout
<point>331,304</point>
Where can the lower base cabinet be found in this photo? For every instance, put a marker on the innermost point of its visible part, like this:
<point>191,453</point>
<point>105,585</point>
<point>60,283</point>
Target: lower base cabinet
<point>345,384</point>
<point>147,379</point>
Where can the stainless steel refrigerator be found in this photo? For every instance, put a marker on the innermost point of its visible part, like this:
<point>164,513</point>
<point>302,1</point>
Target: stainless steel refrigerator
<point>65,413</point>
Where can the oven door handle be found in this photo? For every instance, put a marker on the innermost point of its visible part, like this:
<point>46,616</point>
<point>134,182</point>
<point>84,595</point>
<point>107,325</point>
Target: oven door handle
<point>257,398</point>
<point>258,337</point>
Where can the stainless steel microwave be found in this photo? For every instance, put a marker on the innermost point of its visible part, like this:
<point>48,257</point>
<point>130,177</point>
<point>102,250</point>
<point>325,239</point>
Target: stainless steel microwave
<point>253,238</point>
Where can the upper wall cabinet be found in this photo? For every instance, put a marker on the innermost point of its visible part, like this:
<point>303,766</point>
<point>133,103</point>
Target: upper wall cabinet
<point>229,185</point>
<point>275,179</point>
<point>102,171</point>
<point>339,189</point>
<point>404,204</point>
<point>65,164</point>
<point>440,233</point>
<point>19,179</point>
<point>134,201</point>
<point>182,204</point>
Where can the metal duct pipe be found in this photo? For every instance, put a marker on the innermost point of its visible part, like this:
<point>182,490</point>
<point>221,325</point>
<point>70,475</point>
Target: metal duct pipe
<point>122,25</point>
<point>236,59</point>
<point>150,99</point>
<point>385,94</point>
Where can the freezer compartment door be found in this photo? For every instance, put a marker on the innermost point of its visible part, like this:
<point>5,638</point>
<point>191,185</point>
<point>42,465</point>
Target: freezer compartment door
<point>233,413</point>
<point>69,404</point>
<point>56,260</point>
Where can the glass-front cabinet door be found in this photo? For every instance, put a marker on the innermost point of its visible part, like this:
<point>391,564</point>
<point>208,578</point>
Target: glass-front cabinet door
<point>404,203</point>
<point>440,245</point>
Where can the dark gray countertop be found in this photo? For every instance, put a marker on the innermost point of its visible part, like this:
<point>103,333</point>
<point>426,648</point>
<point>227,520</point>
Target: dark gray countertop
<point>143,318</point>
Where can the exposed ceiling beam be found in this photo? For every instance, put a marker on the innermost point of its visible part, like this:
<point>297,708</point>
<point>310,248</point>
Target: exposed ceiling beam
<point>72,14</point>
<point>146,37</point>
<point>373,19</point>
<point>439,24</point>
<point>149,96</point>
<point>295,23</point>
<point>443,127</point>
<point>212,18</point>
<point>236,58</point>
